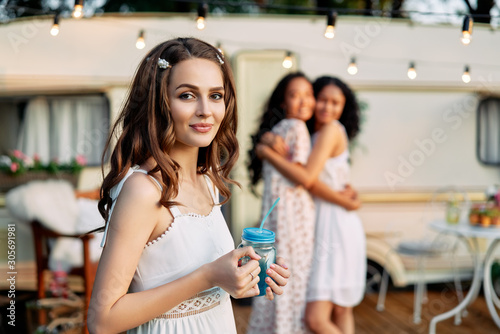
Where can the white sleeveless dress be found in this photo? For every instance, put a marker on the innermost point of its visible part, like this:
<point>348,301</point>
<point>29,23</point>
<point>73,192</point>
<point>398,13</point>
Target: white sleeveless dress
<point>339,262</point>
<point>191,241</point>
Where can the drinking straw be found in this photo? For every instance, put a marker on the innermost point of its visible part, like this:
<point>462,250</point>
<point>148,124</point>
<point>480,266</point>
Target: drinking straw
<point>268,213</point>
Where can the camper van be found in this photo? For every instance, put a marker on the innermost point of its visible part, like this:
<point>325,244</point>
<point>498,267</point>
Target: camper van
<point>419,135</point>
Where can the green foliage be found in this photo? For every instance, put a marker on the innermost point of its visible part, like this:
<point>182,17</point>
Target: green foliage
<point>17,163</point>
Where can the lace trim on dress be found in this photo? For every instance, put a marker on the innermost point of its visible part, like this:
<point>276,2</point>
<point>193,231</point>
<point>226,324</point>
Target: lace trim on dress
<point>189,214</point>
<point>199,303</point>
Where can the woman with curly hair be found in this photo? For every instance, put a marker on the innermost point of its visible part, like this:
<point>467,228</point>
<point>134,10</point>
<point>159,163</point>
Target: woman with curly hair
<point>338,271</point>
<point>169,264</point>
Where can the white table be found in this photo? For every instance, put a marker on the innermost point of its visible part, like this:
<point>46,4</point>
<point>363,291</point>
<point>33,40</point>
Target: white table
<point>482,268</point>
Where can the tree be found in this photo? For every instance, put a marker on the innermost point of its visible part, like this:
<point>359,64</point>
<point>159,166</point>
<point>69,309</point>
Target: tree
<point>482,12</point>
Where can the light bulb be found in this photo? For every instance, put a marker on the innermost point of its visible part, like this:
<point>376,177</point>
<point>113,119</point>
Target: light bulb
<point>331,17</point>
<point>140,44</point>
<point>412,73</point>
<point>55,30</point>
<point>78,9</point>
<point>465,38</point>
<point>200,23</point>
<point>466,75</point>
<point>202,13</point>
<point>330,32</point>
<point>352,69</point>
<point>287,62</point>
<point>467,30</point>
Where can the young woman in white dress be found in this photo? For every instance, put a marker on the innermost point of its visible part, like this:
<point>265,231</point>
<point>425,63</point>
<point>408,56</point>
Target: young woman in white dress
<point>337,281</point>
<point>169,264</point>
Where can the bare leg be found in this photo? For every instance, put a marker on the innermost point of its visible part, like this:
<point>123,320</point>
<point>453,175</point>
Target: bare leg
<point>343,317</point>
<point>318,318</point>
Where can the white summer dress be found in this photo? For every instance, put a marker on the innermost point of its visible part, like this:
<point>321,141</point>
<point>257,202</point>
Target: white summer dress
<point>191,241</point>
<point>339,264</point>
<point>293,221</point>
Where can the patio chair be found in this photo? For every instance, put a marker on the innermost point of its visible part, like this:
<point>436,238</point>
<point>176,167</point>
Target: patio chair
<point>429,247</point>
<point>43,238</point>
<point>59,220</point>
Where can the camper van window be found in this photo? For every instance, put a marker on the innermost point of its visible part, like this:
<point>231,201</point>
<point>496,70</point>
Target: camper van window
<point>55,127</point>
<point>488,131</point>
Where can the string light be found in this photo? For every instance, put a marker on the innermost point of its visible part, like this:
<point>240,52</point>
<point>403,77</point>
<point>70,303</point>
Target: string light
<point>412,73</point>
<point>202,14</point>
<point>54,31</point>
<point>288,62</point>
<point>466,75</point>
<point>330,24</point>
<point>352,69</point>
<point>78,9</point>
<point>467,30</point>
<point>140,44</point>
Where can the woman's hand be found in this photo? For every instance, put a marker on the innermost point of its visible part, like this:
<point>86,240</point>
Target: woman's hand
<point>239,282</point>
<point>278,277</point>
<point>277,143</point>
<point>350,192</point>
<point>351,200</point>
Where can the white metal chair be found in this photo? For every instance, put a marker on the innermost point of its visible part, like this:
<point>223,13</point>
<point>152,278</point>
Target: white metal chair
<point>430,246</point>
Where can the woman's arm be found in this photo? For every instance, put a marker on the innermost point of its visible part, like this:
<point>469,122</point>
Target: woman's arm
<point>344,199</point>
<point>112,309</point>
<point>328,140</point>
<point>307,175</point>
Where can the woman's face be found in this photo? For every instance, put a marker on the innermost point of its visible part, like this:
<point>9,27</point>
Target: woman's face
<point>330,104</point>
<point>299,99</point>
<point>196,95</point>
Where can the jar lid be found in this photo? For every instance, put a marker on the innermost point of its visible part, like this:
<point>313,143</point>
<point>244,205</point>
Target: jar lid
<point>255,234</point>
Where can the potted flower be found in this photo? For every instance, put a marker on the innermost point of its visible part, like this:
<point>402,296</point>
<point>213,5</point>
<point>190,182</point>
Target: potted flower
<point>495,216</point>
<point>18,168</point>
<point>474,215</point>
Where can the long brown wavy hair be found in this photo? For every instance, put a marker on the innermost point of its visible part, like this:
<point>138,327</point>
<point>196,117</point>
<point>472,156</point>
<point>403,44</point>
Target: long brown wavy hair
<point>145,127</point>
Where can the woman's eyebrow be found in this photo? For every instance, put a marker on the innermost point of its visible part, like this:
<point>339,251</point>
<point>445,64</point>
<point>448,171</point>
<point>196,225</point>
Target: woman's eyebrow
<point>197,88</point>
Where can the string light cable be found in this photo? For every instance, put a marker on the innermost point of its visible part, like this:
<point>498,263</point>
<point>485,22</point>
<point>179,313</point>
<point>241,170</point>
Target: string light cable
<point>262,46</point>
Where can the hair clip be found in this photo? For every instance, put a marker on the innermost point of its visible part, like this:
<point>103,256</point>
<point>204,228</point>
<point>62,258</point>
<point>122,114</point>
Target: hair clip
<point>220,59</point>
<point>163,64</point>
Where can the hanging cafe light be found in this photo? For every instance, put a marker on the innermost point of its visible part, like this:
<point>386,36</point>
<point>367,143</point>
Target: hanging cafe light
<point>140,44</point>
<point>412,73</point>
<point>352,69</point>
<point>202,14</point>
<point>330,24</point>
<point>467,30</point>
<point>466,75</point>
<point>287,62</point>
<point>54,31</point>
<point>78,9</point>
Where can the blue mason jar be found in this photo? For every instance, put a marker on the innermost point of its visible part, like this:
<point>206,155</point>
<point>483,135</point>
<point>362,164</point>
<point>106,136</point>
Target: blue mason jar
<point>262,241</point>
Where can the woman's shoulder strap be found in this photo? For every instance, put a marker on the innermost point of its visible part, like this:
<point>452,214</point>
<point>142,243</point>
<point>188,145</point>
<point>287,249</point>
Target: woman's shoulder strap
<point>213,189</point>
<point>143,171</point>
<point>115,192</point>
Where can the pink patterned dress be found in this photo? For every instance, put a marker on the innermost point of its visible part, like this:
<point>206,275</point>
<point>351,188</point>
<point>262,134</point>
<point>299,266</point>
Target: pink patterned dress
<point>293,221</point>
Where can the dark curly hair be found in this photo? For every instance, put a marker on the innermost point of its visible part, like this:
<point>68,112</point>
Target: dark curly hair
<point>273,113</point>
<point>350,117</point>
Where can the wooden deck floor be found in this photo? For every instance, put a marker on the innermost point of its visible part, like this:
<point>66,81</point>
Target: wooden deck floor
<point>397,317</point>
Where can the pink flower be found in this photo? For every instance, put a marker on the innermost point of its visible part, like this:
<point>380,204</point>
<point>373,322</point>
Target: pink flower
<point>36,157</point>
<point>14,167</point>
<point>81,160</point>
<point>18,154</point>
